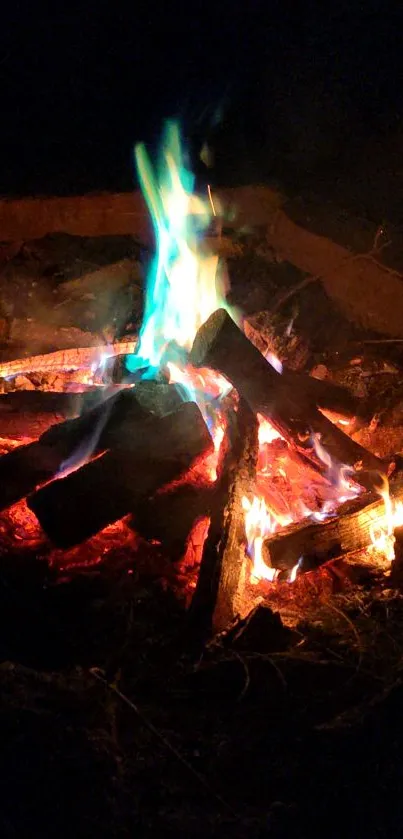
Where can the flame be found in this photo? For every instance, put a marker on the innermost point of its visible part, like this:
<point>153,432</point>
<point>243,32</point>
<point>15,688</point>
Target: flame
<point>274,361</point>
<point>184,288</point>
<point>267,432</point>
<point>340,476</point>
<point>259,522</point>
<point>382,532</point>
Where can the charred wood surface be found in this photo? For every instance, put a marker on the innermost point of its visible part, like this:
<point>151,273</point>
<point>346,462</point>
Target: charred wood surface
<point>314,543</point>
<point>74,508</point>
<point>111,423</point>
<point>170,516</point>
<point>221,345</point>
<point>219,594</point>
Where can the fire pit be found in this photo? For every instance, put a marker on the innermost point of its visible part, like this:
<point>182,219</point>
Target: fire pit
<point>242,472</point>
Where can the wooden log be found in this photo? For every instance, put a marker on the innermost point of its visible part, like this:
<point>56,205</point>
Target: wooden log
<point>221,345</point>
<point>368,293</point>
<point>79,358</point>
<point>74,508</point>
<point>219,595</point>
<point>314,543</point>
<point>323,393</point>
<point>107,424</point>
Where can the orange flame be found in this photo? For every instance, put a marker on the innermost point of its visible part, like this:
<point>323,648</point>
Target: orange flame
<point>259,522</point>
<point>382,532</point>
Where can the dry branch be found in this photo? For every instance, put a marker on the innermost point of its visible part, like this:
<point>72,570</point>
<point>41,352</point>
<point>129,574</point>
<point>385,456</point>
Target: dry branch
<point>315,543</point>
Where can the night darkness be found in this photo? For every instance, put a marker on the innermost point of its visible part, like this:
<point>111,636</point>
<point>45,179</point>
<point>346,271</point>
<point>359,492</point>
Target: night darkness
<point>280,89</point>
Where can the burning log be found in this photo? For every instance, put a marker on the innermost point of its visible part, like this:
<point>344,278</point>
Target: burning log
<point>221,345</point>
<point>106,425</point>
<point>219,594</point>
<point>311,544</point>
<point>74,508</point>
<point>80,358</point>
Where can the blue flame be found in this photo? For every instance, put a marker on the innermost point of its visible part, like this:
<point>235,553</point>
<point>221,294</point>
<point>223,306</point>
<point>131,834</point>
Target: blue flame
<point>167,191</point>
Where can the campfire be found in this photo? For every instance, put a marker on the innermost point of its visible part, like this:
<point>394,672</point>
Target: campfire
<point>242,470</point>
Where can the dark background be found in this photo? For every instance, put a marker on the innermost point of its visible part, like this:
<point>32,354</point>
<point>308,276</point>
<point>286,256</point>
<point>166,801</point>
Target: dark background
<point>284,90</point>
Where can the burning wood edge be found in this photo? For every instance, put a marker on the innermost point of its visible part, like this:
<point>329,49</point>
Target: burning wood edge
<point>219,595</point>
<point>221,345</point>
<point>67,360</point>
<point>324,393</point>
<point>69,511</point>
<point>311,544</point>
<point>111,423</point>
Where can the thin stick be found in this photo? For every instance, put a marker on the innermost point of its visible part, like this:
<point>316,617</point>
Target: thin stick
<point>98,674</point>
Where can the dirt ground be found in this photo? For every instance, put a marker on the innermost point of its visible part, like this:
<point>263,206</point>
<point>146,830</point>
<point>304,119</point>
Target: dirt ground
<point>111,725</point>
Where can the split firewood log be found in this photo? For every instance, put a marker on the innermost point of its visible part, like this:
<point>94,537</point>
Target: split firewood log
<point>311,544</point>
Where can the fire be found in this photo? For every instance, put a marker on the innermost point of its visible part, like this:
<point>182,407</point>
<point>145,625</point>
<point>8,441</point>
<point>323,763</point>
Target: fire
<point>382,533</point>
<point>184,287</point>
<point>259,522</point>
<point>267,433</point>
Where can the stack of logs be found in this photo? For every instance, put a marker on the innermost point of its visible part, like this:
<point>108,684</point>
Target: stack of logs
<point>119,456</point>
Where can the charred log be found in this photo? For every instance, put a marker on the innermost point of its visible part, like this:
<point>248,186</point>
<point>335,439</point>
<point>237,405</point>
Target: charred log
<point>107,424</point>
<point>221,345</point>
<point>74,508</point>
<point>312,544</point>
<point>219,594</point>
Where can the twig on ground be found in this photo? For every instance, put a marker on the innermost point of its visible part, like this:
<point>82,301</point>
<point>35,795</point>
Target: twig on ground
<point>98,674</point>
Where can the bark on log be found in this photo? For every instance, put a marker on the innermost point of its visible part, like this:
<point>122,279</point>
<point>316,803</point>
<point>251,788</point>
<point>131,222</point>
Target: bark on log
<point>314,543</point>
<point>367,292</point>
<point>74,508</point>
<point>111,423</point>
<point>221,345</point>
<point>219,596</point>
